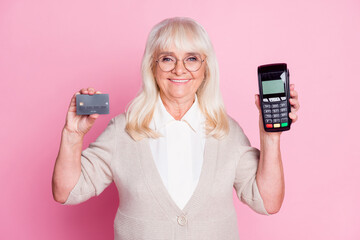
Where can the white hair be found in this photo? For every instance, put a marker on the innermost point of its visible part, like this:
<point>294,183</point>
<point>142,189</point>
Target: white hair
<point>187,35</point>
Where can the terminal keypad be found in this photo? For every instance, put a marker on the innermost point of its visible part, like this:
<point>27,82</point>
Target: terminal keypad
<point>275,112</point>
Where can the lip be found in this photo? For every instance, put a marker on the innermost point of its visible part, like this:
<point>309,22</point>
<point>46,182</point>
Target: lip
<point>179,80</point>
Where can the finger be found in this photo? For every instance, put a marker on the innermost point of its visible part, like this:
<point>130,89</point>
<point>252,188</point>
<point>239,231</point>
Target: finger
<point>294,104</point>
<point>94,116</point>
<point>257,101</point>
<point>293,94</point>
<point>73,102</point>
<point>84,91</point>
<point>293,116</point>
<point>292,86</point>
<point>91,91</point>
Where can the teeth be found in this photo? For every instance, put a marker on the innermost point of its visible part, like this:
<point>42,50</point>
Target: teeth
<point>179,81</point>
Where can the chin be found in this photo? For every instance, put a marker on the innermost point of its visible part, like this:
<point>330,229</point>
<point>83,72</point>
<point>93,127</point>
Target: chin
<point>182,95</point>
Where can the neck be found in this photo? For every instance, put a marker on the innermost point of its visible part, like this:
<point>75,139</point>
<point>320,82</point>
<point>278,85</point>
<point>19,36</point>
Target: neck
<point>177,107</point>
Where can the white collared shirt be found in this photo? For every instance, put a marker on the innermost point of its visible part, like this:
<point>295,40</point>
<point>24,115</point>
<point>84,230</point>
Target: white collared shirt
<point>179,153</point>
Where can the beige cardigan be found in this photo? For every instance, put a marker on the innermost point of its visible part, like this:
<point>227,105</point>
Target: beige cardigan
<point>146,210</point>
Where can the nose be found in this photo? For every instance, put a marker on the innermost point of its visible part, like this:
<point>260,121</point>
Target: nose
<point>179,68</point>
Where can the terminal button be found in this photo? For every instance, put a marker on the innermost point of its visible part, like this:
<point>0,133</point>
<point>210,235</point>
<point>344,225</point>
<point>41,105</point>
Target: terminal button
<point>274,99</point>
<point>284,120</point>
<point>268,120</point>
<point>267,115</point>
<point>267,111</point>
<point>283,104</point>
<point>276,120</point>
<point>276,115</point>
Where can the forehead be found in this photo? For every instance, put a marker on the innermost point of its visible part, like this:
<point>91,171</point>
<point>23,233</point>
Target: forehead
<point>176,52</point>
<point>179,42</point>
<point>180,50</point>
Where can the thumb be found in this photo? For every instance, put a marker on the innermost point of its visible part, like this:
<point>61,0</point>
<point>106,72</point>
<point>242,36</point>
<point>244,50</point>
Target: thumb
<point>92,118</point>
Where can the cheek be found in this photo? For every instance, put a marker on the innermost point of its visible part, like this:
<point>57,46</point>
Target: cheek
<point>201,72</point>
<point>161,81</point>
<point>200,76</point>
<point>158,77</point>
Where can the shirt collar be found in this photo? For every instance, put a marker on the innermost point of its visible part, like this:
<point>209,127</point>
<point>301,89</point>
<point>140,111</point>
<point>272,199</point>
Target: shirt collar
<point>193,117</point>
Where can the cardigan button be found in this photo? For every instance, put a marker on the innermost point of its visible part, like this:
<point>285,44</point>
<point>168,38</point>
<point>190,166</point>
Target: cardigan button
<point>181,220</point>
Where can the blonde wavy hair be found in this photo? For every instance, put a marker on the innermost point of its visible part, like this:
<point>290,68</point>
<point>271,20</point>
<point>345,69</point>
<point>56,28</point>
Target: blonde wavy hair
<point>187,35</point>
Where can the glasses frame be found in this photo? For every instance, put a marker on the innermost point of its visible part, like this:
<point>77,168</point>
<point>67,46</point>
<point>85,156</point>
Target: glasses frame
<point>183,60</point>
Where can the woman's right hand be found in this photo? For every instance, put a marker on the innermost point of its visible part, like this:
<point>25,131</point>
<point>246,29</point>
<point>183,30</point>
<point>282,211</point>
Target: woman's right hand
<point>80,124</point>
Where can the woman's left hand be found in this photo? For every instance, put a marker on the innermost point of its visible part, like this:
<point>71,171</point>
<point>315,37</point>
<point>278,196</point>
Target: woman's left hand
<point>270,173</point>
<point>294,102</point>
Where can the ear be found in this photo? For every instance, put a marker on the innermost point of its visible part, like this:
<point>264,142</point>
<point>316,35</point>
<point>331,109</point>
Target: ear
<point>153,69</point>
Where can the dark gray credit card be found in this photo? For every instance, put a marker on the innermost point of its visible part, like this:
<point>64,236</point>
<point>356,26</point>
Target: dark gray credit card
<point>91,104</point>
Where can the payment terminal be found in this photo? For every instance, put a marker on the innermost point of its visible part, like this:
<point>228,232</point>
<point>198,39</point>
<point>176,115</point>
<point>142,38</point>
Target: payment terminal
<point>274,96</point>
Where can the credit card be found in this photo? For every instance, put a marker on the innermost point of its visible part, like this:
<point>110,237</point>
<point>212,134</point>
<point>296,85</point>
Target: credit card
<point>91,104</point>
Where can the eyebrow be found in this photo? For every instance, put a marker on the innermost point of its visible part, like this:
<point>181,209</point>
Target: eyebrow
<point>171,53</point>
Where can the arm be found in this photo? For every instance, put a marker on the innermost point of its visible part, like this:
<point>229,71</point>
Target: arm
<point>270,174</point>
<point>67,167</point>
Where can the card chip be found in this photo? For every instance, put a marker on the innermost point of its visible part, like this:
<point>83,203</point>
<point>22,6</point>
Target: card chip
<point>81,104</point>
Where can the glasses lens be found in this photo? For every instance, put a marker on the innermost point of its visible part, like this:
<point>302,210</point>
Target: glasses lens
<point>193,63</point>
<point>167,63</point>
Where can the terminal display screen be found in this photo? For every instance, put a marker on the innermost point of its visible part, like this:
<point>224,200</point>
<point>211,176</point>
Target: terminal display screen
<point>273,86</point>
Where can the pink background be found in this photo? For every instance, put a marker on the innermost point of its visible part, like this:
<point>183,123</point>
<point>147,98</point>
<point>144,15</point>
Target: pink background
<point>51,49</point>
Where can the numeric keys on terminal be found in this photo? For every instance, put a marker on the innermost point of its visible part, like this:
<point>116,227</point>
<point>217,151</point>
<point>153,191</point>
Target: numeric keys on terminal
<point>275,112</point>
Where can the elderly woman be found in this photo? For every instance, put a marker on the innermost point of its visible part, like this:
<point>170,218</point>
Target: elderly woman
<point>175,156</point>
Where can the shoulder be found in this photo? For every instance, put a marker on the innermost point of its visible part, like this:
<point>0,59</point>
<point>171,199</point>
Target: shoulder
<point>119,120</point>
<point>234,127</point>
<point>236,132</point>
<point>120,127</point>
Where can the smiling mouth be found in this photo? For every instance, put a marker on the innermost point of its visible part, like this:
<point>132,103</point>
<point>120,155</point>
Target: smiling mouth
<point>179,80</point>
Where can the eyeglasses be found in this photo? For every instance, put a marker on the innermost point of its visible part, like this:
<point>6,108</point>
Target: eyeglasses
<point>192,63</point>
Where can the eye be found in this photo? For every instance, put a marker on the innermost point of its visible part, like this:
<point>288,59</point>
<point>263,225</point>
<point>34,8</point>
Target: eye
<point>192,59</point>
<point>167,59</point>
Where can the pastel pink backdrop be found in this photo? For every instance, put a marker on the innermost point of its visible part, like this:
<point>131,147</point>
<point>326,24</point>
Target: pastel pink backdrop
<point>51,49</point>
